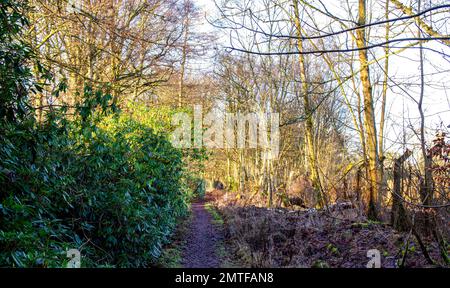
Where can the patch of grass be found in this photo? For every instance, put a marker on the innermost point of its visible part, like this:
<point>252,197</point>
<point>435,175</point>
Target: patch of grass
<point>221,252</point>
<point>217,218</point>
<point>366,224</point>
<point>320,264</point>
<point>171,255</point>
<point>221,249</point>
<point>170,258</point>
<point>333,249</point>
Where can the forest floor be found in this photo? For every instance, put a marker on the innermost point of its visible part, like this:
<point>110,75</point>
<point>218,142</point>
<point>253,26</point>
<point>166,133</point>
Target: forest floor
<point>340,237</point>
<point>202,240</point>
<point>222,232</point>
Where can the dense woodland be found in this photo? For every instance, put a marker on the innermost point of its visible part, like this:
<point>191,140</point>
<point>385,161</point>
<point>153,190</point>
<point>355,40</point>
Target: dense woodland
<point>88,94</point>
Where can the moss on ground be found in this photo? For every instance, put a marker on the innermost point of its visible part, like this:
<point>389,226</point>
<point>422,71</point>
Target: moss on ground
<point>217,218</point>
<point>172,254</point>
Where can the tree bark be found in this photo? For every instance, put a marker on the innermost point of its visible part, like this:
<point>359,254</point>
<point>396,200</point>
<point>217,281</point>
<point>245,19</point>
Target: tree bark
<point>423,25</point>
<point>309,123</point>
<point>369,118</point>
<point>383,110</point>
<point>398,213</point>
<point>183,54</point>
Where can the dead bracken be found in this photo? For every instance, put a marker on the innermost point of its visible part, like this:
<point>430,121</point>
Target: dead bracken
<point>262,237</point>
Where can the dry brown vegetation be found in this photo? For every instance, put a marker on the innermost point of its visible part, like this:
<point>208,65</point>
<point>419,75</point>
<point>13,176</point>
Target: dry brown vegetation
<point>341,237</point>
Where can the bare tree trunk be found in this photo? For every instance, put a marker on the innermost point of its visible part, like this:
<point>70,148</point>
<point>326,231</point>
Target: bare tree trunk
<point>269,182</point>
<point>241,172</point>
<point>358,185</point>
<point>309,123</point>
<point>369,117</point>
<point>115,55</point>
<point>183,54</point>
<point>228,171</point>
<point>398,213</point>
<point>383,110</point>
<point>426,187</point>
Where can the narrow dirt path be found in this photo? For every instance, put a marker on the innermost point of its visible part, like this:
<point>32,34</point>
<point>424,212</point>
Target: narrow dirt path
<point>200,250</point>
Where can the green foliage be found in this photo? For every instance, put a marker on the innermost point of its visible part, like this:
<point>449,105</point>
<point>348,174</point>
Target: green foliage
<point>15,76</point>
<point>106,185</point>
<point>105,182</point>
<point>197,185</point>
<point>171,258</point>
<point>333,249</point>
<point>159,119</point>
<point>201,188</point>
<point>233,184</point>
<point>367,224</point>
<point>320,264</point>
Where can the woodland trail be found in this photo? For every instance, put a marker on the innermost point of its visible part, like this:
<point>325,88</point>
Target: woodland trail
<point>201,243</point>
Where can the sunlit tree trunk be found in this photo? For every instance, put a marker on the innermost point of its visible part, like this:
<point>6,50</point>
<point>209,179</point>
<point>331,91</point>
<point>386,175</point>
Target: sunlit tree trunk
<point>422,24</point>
<point>369,117</point>
<point>383,108</point>
<point>309,123</point>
